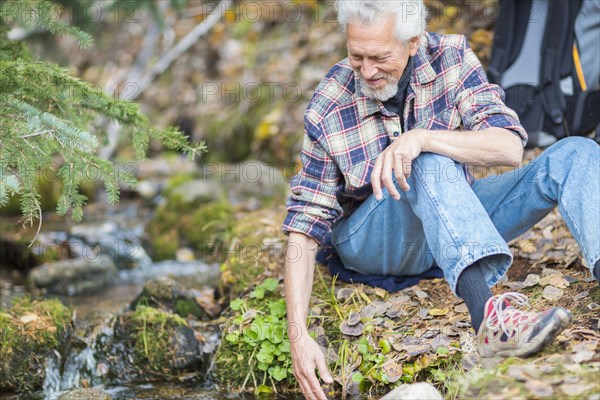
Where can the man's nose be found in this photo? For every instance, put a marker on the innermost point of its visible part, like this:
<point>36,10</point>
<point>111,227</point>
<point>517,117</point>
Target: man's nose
<point>368,69</point>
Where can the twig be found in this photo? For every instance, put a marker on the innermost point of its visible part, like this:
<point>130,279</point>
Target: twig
<point>184,44</point>
<point>35,134</point>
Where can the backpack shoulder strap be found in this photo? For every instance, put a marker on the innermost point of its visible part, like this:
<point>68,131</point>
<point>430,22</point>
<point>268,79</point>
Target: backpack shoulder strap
<point>554,47</point>
<point>509,34</point>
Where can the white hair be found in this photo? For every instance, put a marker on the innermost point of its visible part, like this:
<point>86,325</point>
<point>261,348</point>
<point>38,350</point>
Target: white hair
<point>411,15</point>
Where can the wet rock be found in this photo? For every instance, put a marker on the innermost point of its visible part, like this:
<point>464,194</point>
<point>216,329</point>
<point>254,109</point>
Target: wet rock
<point>421,391</point>
<point>148,344</point>
<point>73,276</point>
<point>31,332</point>
<point>16,255</point>
<point>167,294</point>
<point>85,394</point>
<point>121,245</point>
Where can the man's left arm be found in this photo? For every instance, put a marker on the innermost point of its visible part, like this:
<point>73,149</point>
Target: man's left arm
<point>493,135</point>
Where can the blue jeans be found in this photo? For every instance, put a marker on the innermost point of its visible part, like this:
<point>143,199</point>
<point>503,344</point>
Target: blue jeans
<point>444,219</point>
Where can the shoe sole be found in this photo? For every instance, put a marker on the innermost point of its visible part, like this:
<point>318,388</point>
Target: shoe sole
<point>561,318</point>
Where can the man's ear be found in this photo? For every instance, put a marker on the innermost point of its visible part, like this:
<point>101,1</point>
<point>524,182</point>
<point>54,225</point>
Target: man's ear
<point>413,45</point>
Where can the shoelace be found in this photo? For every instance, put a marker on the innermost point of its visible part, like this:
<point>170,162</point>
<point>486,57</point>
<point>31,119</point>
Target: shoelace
<point>499,312</point>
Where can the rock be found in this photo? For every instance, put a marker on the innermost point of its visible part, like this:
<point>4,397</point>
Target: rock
<point>198,191</point>
<point>421,391</point>
<point>121,245</point>
<point>167,294</point>
<point>162,167</point>
<point>148,344</point>
<point>85,394</point>
<point>73,276</point>
<point>32,333</point>
<point>552,293</point>
<point>148,189</point>
<point>16,255</point>
<point>252,183</point>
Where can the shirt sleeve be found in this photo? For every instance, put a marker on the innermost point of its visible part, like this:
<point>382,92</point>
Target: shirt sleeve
<point>313,205</point>
<point>480,103</point>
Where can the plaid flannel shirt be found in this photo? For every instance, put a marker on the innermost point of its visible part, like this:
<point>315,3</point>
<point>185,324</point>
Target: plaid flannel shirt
<point>345,131</point>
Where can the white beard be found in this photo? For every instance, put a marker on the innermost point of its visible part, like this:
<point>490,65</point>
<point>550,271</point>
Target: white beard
<point>383,94</point>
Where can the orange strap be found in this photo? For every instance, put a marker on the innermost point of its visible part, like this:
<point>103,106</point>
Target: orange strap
<point>578,68</point>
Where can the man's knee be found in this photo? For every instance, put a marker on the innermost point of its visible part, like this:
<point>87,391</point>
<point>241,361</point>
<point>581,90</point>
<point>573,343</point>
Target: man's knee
<point>577,148</point>
<point>437,168</point>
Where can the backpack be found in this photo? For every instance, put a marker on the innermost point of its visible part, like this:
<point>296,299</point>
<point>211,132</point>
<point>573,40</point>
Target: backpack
<point>546,56</point>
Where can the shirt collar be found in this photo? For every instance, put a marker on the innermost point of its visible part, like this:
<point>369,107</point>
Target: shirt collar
<point>422,73</point>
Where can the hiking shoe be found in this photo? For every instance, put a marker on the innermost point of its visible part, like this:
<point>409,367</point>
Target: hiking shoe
<point>506,331</point>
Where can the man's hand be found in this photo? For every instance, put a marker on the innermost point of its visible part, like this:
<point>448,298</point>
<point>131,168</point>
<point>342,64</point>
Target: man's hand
<point>398,157</point>
<point>306,356</point>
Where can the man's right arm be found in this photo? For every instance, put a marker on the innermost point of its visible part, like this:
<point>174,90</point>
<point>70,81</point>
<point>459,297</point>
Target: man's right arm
<point>306,353</point>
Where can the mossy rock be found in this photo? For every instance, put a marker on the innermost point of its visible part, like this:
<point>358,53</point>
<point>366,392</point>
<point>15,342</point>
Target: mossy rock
<point>204,228</point>
<point>167,294</point>
<point>149,344</point>
<point>30,331</point>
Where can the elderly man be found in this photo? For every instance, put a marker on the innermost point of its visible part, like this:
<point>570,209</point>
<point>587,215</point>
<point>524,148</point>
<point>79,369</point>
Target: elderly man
<point>387,135</point>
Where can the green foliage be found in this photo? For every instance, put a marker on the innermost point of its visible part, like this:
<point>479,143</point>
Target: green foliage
<point>46,119</point>
<point>263,336</point>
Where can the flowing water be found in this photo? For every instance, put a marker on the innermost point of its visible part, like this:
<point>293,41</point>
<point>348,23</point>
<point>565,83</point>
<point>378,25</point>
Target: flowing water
<point>98,307</point>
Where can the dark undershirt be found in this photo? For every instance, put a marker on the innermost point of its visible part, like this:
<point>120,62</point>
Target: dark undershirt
<point>395,104</point>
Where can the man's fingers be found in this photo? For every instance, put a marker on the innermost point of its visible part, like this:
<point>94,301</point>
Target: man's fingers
<point>304,386</point>
<point>398,172</point>
<point>376,178</point>
<point>386,177</point>
<point>315,387</point>
<point>323,370</point>
<point>407,169</point>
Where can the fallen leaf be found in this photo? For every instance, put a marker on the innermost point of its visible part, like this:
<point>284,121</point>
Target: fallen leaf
<point>467,342</point>
<point>468,361</point>
<point>552,293</point>
<point>393,370</point>
<point>581,295</point>
<point>461,308</point>
<point>556,280</point>
<point>436,312</point>
<point>539,388</point>
<point>344,294</point>
<point>549,271</point>
<point>29,317</point>
<point>420,294</point>
<point>354,330</point>
<point>515,286</point>
<point>380,307</point>
<point>367,312</point>
<point>353,319</point>
<point>583,352</point>
<point>531,280</point>
<point>575,389</point>
<point>395,311</point>
<point>404,299</point>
